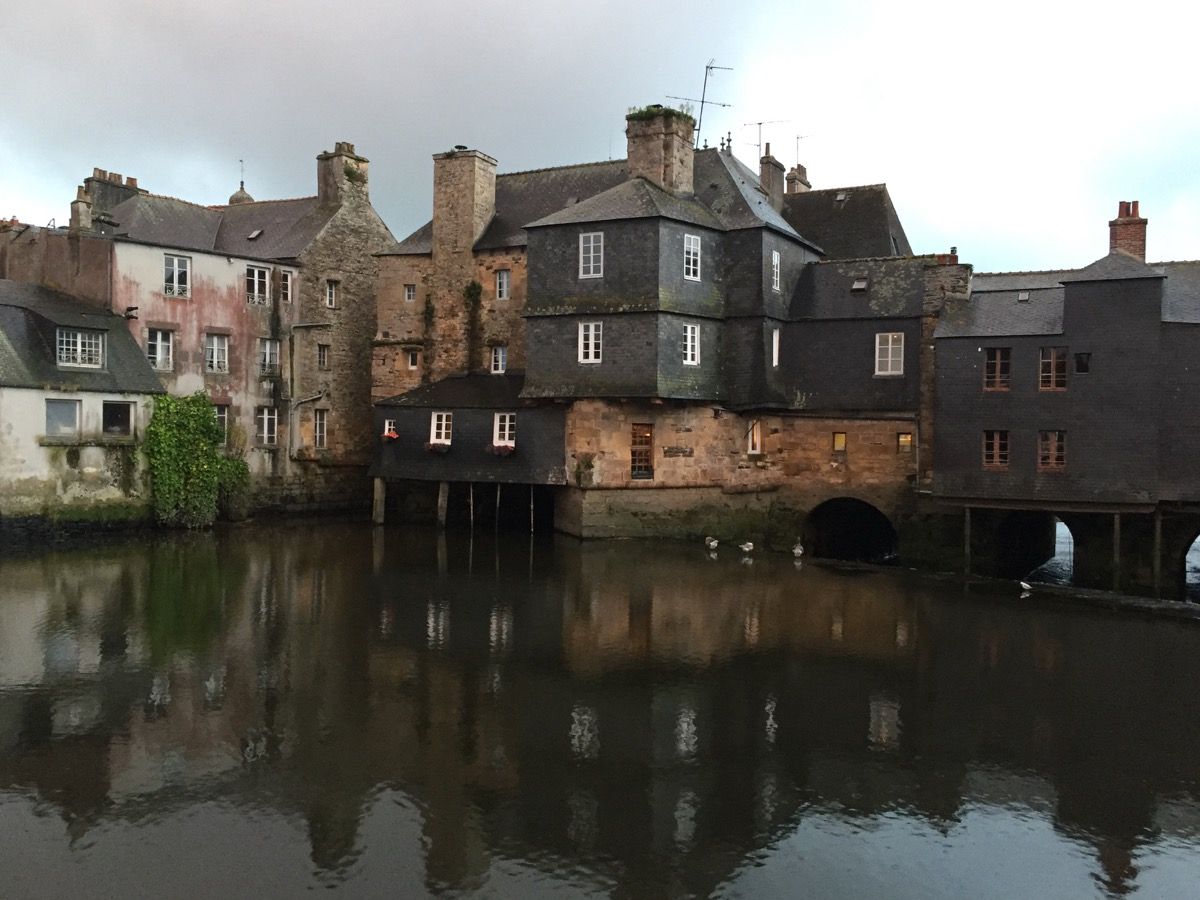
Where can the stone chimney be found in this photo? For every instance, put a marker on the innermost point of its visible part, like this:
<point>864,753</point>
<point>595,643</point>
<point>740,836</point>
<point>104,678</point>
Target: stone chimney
<point>770,176</point>
<point>105,190</point>
<point>464,198</point>
<point>659,141</point>
<point>797,180</point>
<point>341,174</point>
<point>81,211</point>
<point>1128,230</point>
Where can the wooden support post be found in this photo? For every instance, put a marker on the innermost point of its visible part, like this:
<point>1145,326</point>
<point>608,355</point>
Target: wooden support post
<point>531,509</point>
<point>967,540</point>
<point>497,525</point>
<point>471,502</point>
<point>1116,559</point>
<point>379,501</point>
<point>443,502</point>
<point>1157,567</point>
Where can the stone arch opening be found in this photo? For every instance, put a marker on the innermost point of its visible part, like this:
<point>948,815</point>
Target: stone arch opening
<point>849,529</point>
<point>1191,571</point>
<point>1059,568</point>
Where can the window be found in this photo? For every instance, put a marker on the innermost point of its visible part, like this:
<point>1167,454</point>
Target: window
<point>410,293</point>
<point>116,418</point>
<point>221,411</point>
<point>266,425</point>
<point>216,353</point>
<point>389,426</point>
<point>839,442</point>
<point>754,437</point>
<point>502,282</point>
<point>322,356</point>
<point>641,451</point>
<point>691,345</point>
<point>258,285</point>
<point>995,449</point>
<point>320,424</point>
<point>80,348</point>
<point>158,349</point>
<point>1052,451</point>
<point>774,270</point>
<point>904,442</point>
<point>1053,369</point>
<point>889,353</point>
<point>591,255</point>
<point>691,257</point>
<point>591,341</point>
<point>285,287</point>
<point>775,348</point>
<point>62,418</point>
<point>331,293</point>
<point>414,358</point>
<point>268,356</point>
<point>440,427</point>
<point>997,368</point>
<point>499,359</point>
<point>1083,363</point>
<point>504,429</point>
<point>176,272</point>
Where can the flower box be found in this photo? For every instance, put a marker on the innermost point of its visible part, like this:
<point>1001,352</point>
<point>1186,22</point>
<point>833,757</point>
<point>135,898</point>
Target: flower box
<point>501,449</point>
<point>437,448</point>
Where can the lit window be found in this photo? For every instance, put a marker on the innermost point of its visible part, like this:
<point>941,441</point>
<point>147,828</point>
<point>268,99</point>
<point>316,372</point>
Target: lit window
<point>754,437</point>
<point>1053,369</point>
<point>410,293</point>
<point>1052,451</point>
<point>389,426</point>
<point>499,359</point>
<point>591,341</point>
<point>504,429</point>
<point>691,257</point>
<point>285,287</point>
<point>502,282</point>
<point>320,423</point>
<point>995,449</point>
<point>116,418</point>
<point>322,356</point>
<point>221,411</point>
<point>839,442</point>
<point>414,358</point>
<point>158,349</point>
<point>331,293</point>
<point>440,426</point>
<point>889,353</point>
<point>641,451</point>
<point>62,418</point>
<point>176,276</point>
<point>258,285</point>
<point>216,353</point>
<point>268,356</point>
<point>591,254</point>
<point>775,347</point>
<point>904,442</point>
<point>691,345</point>
<point>266,425</point>
<point>80,348</point>
<point>997,369</point>
<point>775,270</point>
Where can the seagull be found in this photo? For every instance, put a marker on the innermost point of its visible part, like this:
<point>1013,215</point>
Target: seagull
<point>798,550</point>
<point>711,543</point>
<point>746,547</point>
<point>1025,585</point>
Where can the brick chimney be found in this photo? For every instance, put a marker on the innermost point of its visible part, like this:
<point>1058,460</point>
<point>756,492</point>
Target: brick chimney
<point>659,142</point>
<point>797,180</point>
<point>770,176</point>
<point>106,190</point>
<point>341,174</point>
<point>1128,230</point>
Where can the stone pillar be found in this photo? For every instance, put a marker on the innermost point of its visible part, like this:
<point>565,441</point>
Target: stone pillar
<point>443,502</point>
<point>379,501</point>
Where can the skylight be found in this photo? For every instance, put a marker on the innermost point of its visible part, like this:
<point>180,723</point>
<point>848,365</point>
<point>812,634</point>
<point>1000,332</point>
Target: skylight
<point>255,233</point>
<point>1023,296</point>
<point>860,283</point>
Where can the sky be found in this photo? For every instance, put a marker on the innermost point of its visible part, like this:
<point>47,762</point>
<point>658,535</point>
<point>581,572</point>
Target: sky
<point>1010,131</point>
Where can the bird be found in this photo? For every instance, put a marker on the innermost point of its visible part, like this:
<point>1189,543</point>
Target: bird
<point>798,550</point>
<point>1025,585</point>
<point>747,547</point>
<point>712,554</point>
<point>711,543</point>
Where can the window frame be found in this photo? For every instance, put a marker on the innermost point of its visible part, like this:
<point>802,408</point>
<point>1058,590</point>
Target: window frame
<point>885,343</point>
<point>593,255</point>
<point>285,286</point>
<point>216,363</point>
<point>323,357</point>
<point>268,356</point>
<point>641,451</point>
<point>61,403</point>
<point>266,426</point>
<point>441,427</point>
<point>503,284</point>
<point>75,345</point>
<point>332,290</point>
<point>997,447</point>
<point>775,348</point>
<point>258,285</point>
<point>754,438</point>
<point>410,293</point>
<point>691,344</point>
<point>1052,368</point>
<point>905,442</point>
<point>130,410</point>
<point>504,429</point>
<point>321,429</point>
<point>155,343</point>
<point>171,268</point>
<point>997,370</point>
<point>414,359</point>
<point>837,442</point>
<point>221,412</point>
<point>691,257</point>
<point>499,361</point>
<point>776,271</point>
<point>591,343</point>
<point>1052,451</point>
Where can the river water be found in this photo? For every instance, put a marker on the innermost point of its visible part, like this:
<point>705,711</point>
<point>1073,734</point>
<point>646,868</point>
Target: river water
<point>270,710</point>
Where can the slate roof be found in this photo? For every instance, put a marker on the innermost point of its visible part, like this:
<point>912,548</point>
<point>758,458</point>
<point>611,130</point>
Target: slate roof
<point>1181,294</point>
<point>864,224</point>
<point>732,191</point>
<point>1117,266</point>
<point>29,319</point>
<point>999,313</point>
<point>474,391</point>
<point>895,289</point>
<point>633,199</point>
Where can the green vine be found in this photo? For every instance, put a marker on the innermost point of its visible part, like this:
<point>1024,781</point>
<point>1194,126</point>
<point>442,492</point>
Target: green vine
<point>472,294</point>
<point>428,313</point>
<point>354,174</point>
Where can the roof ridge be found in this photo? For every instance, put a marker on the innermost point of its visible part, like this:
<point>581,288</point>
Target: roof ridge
<point>1173,262</point>
<point>848,187</point>
<point>166,197</point>
<point>854,259</point>
<point>260,202</point>
<point>1026,272</point>
<point>601,162</point>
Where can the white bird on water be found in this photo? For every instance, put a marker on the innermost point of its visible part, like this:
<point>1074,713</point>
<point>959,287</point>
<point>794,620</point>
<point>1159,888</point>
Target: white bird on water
<point>747,547</point>
<point>798,550</point>
<point>711,543</point>
<point>1025,585</point>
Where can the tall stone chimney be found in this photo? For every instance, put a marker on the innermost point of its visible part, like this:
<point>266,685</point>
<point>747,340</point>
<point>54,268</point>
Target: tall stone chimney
<point>81,211</point>
<point>341,174</point>
<point>659,141</point>
<point>105,190</point>
<point>797,180</point>
<point>770,176</point>
<point>464,198</point>
<point>1128,230</point>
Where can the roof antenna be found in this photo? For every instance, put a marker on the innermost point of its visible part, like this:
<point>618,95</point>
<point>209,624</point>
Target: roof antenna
<point>704,101</point>
<point>759,145</point>
<point>242,168</point>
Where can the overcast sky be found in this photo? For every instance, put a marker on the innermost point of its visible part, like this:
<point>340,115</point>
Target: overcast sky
<point>1011,133</point>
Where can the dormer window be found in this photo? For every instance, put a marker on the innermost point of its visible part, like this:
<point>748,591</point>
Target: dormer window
<point>860,283</point>
<point>83,349</point>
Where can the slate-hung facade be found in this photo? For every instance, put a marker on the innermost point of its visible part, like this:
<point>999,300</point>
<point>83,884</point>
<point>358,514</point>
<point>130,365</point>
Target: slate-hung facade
<point>691,332</point>
<point>266,306</point>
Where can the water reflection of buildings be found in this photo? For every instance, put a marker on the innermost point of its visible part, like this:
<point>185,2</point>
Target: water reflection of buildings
<point>650,716</point>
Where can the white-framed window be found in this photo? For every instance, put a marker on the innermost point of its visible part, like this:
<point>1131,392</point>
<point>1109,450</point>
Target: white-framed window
<point>285,287</point>
<point>216,353</point>
<point>499,359</point>
<point>410,293</point>
<point>332,286</point>
<point>258,285</point>
<point>889,353</point>
<point>62,418</point>
<point>177,271</point>
<point>775,348</point>
<point>504,429</point>
<point>414,358</point>
<point>221,411</point>
<point>591,341</point>
<point>77,347</point>
<point>754,437</point>
<point>116,417</point>
<point>320,428</point>
<point>691,257</point>
<point>691,345</point>
<point>266,425</point>
<point>159,344</point>
<point>389,426</point>
<point>775,270</point>
<point>503,281</point>
<point>591,254</point>
<point>268,356</point>
<point>441,427</point>
<point>322,356</point>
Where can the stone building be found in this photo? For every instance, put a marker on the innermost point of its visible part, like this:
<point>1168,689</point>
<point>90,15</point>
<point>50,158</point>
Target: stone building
<point>704,364</point>
<point>266,306</point>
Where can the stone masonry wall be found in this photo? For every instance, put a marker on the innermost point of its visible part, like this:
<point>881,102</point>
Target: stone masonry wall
<point>500,321</point>
<point>400,325</point>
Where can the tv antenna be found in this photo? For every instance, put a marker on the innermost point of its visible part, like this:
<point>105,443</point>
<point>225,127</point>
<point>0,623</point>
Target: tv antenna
<point>709,68</point>
<point>799,138</point>
<point>759,145</point>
